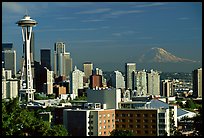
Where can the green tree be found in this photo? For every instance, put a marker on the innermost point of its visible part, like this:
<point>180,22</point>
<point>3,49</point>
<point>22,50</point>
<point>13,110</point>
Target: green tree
<point>19,121</point>
<point>190,104</point>
<point>117,132</point>
<point>198,120</point>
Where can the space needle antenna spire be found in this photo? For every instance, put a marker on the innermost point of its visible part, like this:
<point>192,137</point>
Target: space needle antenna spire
<point>26,87</point>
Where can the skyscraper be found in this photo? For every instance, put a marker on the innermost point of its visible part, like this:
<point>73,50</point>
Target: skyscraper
<point>118,80</point>
<point>141,82</point>
<point>62,61</point>
<point>76,81</point>
<point>45,56</point>
<point>88,68</point>
<point>167,88</point>
<point>197,83</point>
<point>153,83</point>
<point>130,69</point>
<point>9,60</point>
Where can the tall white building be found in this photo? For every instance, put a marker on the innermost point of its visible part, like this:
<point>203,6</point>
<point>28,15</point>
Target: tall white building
<point>130,69</point>
<point>118,80</point>
<point>153,83</point>
<point>48,86</point>
<point>76,81</point>
<point>62,61</point>
<point>141,83</point>
<point>9,88</point>
<point>10,60</point>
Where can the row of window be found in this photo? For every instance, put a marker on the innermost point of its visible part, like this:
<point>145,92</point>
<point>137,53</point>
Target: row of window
<point>104,121</point>
<point>136,126</point>
<point>104,127</point>
<point>137,115</point>
<point>137,120</point>
<point>104,115</point>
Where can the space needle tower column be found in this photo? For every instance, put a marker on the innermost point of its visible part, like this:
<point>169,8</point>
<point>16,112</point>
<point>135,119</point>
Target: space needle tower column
<point>26,86</point>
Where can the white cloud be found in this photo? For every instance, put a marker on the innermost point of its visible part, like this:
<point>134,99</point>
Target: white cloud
<point>154,4</point>
<point>123,33</point>
<point>102,10</point>
<point>65,18</point>
<point>126,12</point>
<point>92,20</point>
<point>66,29</point>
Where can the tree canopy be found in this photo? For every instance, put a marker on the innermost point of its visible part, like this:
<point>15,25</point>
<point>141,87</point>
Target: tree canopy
<point>19,121</point>
<point>117,132</point>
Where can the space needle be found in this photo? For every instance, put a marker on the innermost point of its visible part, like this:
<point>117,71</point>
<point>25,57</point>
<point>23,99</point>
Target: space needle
<point>26,87</point>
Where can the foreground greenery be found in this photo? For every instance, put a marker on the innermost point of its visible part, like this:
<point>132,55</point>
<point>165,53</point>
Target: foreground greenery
<point>19,121</point>
<point>117,132</point>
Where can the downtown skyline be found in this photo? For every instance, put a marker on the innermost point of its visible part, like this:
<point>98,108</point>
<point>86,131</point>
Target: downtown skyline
<point>108,32</point>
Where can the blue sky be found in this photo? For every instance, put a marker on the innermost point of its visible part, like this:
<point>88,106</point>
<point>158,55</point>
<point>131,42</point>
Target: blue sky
<point>108,32</point>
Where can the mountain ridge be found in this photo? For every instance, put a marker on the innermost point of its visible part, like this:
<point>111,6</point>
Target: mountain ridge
<point>160,55</point>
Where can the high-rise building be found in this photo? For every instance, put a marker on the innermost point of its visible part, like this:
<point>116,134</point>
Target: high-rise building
<point>9,60</point>
<point>48,85</point>
<point>197,83</point>
<point>76,81</point>
<point>6,46</point>
<point>62,61</point>
<point>95,81</point>
<point>130,69</point>
<point>9,85</point>
<point>167,88</point>
<point>141,83</point>
<point>45,56</point>
<point>88,69</point>
<point>153,83</point>
<point>117,80</point>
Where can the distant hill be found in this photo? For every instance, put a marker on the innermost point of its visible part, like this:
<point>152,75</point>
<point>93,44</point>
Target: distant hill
<point>159,55</point>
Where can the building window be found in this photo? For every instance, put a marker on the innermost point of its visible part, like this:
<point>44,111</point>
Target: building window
<point>104,115</point>
<point>138,115</point>
<point>145,126</point>
<point>130,120</point>
<point>153,115</point>
<point>153,121</point>
<point>100,127</point>
<point>99,116</point>
<point>99,133</point>
<point>117,126</point>
<point>153,126</point>
<point>153,132</point>
<point>104,121</point>
<point>145,115</point>
<point>123,115</point>
<point>130,126</point>
<point>116,115</point>
<point>108,115</point>
<point>138,120</point>
<point>123,126</point>
<point>112,115</point>
<point>145,121</point>
<point>104,127</point>
<point>104,132</point>
<point>123,120</point>
<point>137,126</point>
<point>108,121</point>
<point>138,131</point>
<point>146,132</point>
<point>112,120</point>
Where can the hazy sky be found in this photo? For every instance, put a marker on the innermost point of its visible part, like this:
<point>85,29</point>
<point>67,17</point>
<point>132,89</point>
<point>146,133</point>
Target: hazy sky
<point>108,33</point>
